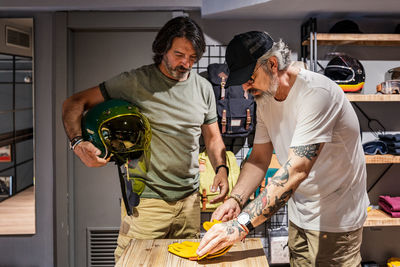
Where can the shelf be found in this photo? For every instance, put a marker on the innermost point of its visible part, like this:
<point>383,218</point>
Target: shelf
<point>356,39</point>
<point>381,159</point>
<point>380,218</point>
<point>372,97</point>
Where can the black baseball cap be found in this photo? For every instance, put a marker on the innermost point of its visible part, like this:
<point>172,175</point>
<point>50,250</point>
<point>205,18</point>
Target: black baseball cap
<point>242,54</point>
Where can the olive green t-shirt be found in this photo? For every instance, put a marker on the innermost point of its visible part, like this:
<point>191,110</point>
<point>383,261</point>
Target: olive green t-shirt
<point>176,111</point>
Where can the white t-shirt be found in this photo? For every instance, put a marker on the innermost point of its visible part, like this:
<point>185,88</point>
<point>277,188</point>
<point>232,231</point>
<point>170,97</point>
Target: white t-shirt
<point>333,197</point>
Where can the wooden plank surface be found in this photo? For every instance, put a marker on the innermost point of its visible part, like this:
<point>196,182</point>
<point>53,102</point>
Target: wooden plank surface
<point>381,159</point>
<point>380,218</point>
<point>372,97</point>
<point>356,39</point>
<point>155,253</point>
<point>17,214</point>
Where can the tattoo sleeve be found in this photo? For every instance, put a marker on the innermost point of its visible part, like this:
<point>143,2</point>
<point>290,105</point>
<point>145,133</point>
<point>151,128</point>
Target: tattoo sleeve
<point>281,179</point>
<point>308,151</point>
<point>279,202</point>
<point>230,229</point>
<point>263,204</point>
<point>279,188</point>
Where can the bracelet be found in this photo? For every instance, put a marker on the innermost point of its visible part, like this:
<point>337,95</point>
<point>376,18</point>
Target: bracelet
<point>222,166</point>
<point>237,199</point>
<point>75,141</point>
<point>244,228</point>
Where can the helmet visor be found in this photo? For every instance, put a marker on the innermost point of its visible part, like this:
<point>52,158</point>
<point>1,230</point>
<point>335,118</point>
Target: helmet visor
<point>123,134</point>
<point>339,74</point>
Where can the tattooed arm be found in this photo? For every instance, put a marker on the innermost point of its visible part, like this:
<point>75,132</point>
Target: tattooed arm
<point>249,179</point>
<point>283,184</point>
<point>278,191</point>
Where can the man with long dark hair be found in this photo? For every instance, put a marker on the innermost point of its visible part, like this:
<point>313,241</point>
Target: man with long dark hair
<point>180,106</point>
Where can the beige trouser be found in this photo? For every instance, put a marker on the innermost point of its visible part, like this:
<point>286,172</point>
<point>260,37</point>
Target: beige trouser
<point>156,218</point>
<point>324,249</point>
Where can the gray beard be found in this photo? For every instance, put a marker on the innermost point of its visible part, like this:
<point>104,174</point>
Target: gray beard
<point>263,97</point>
<point>270,93</point>
<point>176,72</point>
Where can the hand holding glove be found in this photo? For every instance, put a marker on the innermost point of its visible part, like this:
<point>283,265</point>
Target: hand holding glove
<point>187,249</point>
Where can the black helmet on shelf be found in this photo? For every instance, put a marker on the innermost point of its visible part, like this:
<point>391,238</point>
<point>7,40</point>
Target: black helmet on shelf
<point>345,26</point>
<point>347,72</point>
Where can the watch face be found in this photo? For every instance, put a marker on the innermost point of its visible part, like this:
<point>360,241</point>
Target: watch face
<point>243,218</point>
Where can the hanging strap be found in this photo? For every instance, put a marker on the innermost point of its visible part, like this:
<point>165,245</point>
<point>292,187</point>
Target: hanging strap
<point>123,183</point>
<point>248,119</point>
<point>131,199</point>
<point>223,121</point>
<point>223,77</point>
<point>223,88</point>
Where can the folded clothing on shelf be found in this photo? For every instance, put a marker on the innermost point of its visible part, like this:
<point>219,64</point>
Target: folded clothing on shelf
<point>390,137</point>
<point>390,205</point>
<point>392,145</point>
<point>392,202</point>
<point>394,151</point>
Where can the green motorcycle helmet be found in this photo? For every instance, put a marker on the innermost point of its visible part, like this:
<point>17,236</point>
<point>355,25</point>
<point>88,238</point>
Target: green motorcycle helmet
<point>118,129</point>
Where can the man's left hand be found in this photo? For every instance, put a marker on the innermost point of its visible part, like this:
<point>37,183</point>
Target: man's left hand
<point>220,236</point>
<point>221,181</point>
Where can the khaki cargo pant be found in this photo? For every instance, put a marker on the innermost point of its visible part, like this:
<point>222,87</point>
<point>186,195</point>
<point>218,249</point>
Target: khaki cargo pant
<point>324,249</point>
<point>156,218</point>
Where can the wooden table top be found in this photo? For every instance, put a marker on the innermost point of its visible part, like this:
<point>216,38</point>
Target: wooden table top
<point>155,253</point>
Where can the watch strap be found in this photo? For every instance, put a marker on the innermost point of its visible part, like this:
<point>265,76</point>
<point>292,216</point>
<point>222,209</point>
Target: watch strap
<point>222,166</point>
<point>250,226</point>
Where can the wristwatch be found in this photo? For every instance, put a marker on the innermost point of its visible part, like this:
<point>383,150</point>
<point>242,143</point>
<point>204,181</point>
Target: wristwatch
<point>244,219</point>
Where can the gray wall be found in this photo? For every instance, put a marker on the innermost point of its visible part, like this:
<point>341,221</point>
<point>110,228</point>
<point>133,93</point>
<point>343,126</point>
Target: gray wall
<point>51,87</point>
<point>97,190</point>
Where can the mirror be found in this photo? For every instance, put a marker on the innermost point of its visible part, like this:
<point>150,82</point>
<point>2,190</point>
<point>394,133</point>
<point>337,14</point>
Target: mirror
<point>17,193</point>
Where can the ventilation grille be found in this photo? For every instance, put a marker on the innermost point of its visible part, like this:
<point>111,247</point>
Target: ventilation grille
<point>101,243</point>
<point>18,38</point>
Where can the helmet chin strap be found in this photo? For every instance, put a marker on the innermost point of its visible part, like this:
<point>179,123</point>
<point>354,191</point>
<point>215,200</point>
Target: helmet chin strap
<point>131,199</point>
<point>129,196</point>
<point>106,154</point>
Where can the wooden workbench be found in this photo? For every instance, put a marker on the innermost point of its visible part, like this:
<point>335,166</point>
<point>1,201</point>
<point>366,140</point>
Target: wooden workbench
<point>155,253</point>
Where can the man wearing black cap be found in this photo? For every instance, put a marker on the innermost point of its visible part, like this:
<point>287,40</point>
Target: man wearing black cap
<point>306,118</point>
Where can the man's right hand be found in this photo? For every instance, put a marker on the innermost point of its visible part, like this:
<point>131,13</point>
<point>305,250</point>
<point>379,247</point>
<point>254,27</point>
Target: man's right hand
<point>227,211</point>
<point>88,154</point>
